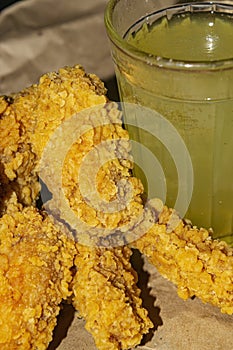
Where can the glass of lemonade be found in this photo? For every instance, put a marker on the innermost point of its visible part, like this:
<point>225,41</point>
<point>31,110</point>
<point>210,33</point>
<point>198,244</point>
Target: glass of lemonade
<point>176,58</point>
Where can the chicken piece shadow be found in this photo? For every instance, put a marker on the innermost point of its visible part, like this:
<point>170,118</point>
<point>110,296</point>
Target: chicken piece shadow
<point>112,89</point>
<point>64,320</point>
<point>148,300</point>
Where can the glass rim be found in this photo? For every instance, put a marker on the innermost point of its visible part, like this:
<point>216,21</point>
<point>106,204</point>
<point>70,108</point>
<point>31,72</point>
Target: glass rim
<point>153,60</point>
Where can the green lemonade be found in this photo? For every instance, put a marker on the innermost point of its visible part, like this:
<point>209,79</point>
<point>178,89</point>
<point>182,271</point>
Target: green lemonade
<point>199,103</point>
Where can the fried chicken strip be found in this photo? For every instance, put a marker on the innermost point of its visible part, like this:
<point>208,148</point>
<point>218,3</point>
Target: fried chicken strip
<point>191,259</point>
<point>105,290</point>
<point>35,262</point>
<point>106,295</point>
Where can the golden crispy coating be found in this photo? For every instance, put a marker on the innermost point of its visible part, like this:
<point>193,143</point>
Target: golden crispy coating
<point>104,151</point>
<point>28,118</point>
<point>191,259</point>
<point>106,295</point>
<point>35,260</point>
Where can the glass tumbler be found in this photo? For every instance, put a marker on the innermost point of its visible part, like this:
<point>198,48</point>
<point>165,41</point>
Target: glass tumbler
<point>175,58</point>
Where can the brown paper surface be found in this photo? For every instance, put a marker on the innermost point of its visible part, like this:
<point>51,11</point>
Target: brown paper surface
<point>37,36</point>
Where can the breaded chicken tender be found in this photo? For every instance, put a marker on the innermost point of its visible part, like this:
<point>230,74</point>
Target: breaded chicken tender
<point>191,259</point>
<point>105,290</point>
<point>35,273</point>
<point>106,295</point>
